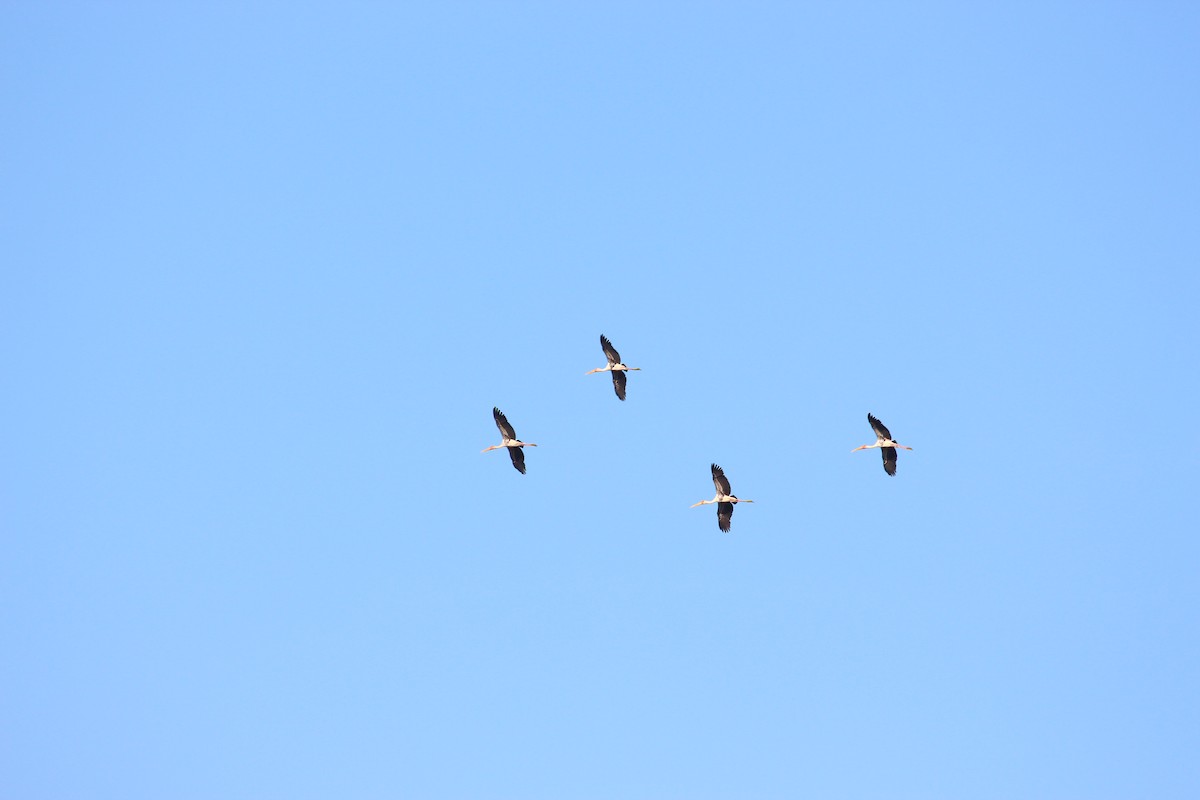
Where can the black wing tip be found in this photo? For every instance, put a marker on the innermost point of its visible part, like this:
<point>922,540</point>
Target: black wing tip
<point>877,426</point>
<point>618,378</point>
<point>716,468</point>
<point>610,352</point>
<point>724,516</point>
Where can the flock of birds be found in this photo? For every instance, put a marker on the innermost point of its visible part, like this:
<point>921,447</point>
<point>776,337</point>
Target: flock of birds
<point>725,498</point>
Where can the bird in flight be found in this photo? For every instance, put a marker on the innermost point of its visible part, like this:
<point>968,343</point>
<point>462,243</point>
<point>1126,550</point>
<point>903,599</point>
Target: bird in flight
<point>724,499</point>
<point>885,443</point>
<point>508,438</point>
<point>614,366</point>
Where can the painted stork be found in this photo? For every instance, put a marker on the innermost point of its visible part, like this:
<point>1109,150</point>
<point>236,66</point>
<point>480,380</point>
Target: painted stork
<point>724,499</point>
<point>885,443</point>
<point>614,366</point>
<point>508,438</point>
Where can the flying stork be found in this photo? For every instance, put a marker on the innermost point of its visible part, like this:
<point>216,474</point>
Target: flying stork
<point>885,443</point>
<point>614,366</point>
<point>724,499</point>
<point>508,438</point>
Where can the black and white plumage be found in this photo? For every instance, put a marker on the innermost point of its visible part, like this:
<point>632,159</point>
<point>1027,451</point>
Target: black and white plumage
<point>725,499</point>
<point>614,366</point>
<point>886,444</point>
<point>508,438</point>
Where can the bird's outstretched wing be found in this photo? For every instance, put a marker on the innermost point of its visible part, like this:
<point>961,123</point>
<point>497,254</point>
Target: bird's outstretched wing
<point>889,460</point>
<point>610,352</point>
<point>517,454</point>
<point>720,481</point>
<point>880,430</point>
<point>724,515</point>
<point>619,383</point>
<point>506,430</point>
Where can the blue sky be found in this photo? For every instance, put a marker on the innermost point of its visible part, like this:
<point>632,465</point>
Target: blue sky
<point>268,268</point>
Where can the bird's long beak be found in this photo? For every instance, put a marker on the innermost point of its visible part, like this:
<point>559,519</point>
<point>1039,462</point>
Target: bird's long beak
<point>861,447</point>
<point>693,505</point>
<point>486,449</point>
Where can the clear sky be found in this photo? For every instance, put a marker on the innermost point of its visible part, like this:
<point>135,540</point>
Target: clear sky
<point>268,267</point>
